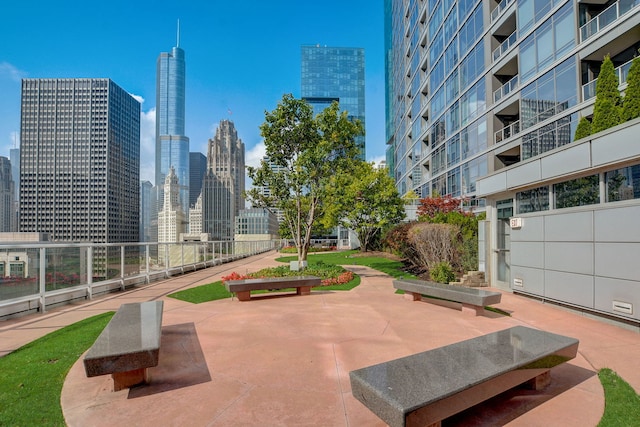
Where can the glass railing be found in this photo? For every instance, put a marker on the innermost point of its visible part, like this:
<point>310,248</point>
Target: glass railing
<point>589,89</point>
<point>505,45</point>
<point>495,13</point>
<point>507,132</point>
<point>34,275</point>
<point>606,17</point>
<point>506,89</point>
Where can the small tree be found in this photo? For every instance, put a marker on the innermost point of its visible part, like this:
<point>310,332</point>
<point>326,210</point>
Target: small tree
<point>365,200</point>
<point>303,152</point>
<point>583,130</point>
<point>631,103</point>
<point>606,110</point>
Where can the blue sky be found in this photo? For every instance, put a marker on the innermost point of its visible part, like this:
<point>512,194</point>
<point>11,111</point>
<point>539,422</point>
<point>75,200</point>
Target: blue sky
<point>241,57</point>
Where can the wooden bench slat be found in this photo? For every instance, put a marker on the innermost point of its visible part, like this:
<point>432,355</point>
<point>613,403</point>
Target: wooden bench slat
<point>500,360</point>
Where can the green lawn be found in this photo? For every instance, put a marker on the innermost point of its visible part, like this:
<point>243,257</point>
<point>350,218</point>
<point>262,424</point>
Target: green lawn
<point>31,377</point>
<point>621,402</point>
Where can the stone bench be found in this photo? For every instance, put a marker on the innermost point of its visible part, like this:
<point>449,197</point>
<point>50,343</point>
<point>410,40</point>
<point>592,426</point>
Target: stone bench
<point>473,300</point>
<point>425,388</point>
<point>243,288</point>
<point>128,345</point>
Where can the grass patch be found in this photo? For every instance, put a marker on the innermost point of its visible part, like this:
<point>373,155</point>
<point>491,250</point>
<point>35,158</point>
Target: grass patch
<point>204,293</point>
<point>621,402</point>
<point>31,377</point>
<point>385,265</point>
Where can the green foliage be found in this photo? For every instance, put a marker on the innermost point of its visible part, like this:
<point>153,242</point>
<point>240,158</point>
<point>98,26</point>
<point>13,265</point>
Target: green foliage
<point>396,241</point>
<point>209,292</point>
<point>607,109</point>
<point>31,377</point>
<point>631,103</point>
<point>583,130</point>
<point>304,152</point>
<point>622,403</point>
<point>577,192</point>
<point>442,272</point>
<point>364,199</point>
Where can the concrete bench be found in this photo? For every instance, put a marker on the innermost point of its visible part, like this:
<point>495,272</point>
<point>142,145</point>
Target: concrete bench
<point>473,299</point>
<point>243,288</point>
<point>128,345</point>
<point>425,388</point>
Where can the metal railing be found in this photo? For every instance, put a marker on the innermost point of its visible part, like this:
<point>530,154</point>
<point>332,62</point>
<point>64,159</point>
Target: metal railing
<point>589,89</point>
<point>36,275</point>
<point>495,13</point>
<point>505,45</point>
<point>506,89</point>
<point>606,17</point>
<point>507,132</point>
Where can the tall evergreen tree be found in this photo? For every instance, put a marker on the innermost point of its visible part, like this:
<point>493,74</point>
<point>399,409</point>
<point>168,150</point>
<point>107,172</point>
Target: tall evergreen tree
<point>583,130</point>
<point>631,104</point>
<point>607,109</point>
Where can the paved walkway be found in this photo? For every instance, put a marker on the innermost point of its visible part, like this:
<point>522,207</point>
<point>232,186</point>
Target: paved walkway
<point>285,360</point>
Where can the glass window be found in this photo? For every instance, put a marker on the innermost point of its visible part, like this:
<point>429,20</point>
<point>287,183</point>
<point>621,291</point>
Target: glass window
<point>577,192</point>
<point>534,200</point>
<point>623,184</point>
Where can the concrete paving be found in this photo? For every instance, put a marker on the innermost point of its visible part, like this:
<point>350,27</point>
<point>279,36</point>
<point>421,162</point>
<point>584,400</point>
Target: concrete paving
<point>284,360</point>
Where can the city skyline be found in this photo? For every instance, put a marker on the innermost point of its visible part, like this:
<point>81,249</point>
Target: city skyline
<point>229,74</point>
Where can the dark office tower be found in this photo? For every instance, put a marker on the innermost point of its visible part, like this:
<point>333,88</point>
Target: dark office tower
<point>335,74</point>
<point>172,146</point>
<point>197,169</point>
<point>80,160</point>
<point>223,183</point>
<point>145,211</point>
<point>6,196</point>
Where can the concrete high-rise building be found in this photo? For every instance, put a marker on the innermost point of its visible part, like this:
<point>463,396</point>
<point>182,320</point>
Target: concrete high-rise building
<point>80,160</point>
<point>172,219</point>
<point>197,169</point>
<point>146,189</point>
<point>335,74</point>
<point>14,158</point>
<point>483,99</point>
<point>7,214</point>
<point>172,146</point>
<point>223,183</point>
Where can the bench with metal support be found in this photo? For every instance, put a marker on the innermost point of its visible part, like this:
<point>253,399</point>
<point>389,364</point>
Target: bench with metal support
<point>242,288</point>
<point>128,345</point>
<point>428,387</point>
<point>473,300</point>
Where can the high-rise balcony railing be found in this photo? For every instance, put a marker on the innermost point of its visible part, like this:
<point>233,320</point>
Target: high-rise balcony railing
<point>589,89</point>
<point>506,89</point>
<point>495,13</point>
<point>36,275</point>
<point>607,17</point>
<point>507,132</point>
<point>505,45</point>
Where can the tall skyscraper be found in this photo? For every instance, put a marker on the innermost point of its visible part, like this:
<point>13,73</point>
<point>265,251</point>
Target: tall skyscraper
<point>146,189</point>
<point>223,183</point>
<point>197,169</point>
<point>80,160</point>
<point>335,74</point>
<point>172,146</point>
<point>483,100</point>
<point>171,219</point>
<point>14,158</point>
<point>7,216</point>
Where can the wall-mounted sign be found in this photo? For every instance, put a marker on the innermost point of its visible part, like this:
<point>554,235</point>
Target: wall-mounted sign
<point>517,282</point>
<point>515,222</point>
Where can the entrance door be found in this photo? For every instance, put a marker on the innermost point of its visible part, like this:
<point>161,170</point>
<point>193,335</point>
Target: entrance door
<point>504,210</point>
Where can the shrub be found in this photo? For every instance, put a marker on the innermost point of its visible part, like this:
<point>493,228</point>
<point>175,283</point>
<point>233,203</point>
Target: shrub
<point>395,240</point>
<point>583,130</point>
<point>631,103</point>
<point>606,110</point>
<point>442,272</point>
<point>434,243</point>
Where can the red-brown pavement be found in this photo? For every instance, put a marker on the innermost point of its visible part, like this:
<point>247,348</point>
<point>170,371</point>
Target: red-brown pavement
<point>285,360</point>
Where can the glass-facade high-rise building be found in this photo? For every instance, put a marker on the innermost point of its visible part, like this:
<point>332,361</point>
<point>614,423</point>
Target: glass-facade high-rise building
<point>79,160</point>
<point>172,146</point>
<point>197,169</point>
<point>483,99</point>
<point>335,74</point>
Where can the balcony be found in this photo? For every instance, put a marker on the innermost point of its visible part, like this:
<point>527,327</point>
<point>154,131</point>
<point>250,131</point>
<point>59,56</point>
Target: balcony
<point>589,89</point>
<point>607,17</point>
<point>506,89</point>
<point>502,6</point>
<point>507,132</point>
<point>505,45</point>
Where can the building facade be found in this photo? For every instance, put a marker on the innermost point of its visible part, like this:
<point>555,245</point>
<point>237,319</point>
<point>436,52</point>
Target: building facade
<point>335,74</point>
<point>80,160</point>
<point>7,196</point>
<point>146,189</point>
<point>223,183</point>
<point>197,169</point>
<point>483,100</point>
<point>14,158</point>
<point>172,220</point>
<point>172,146</point>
